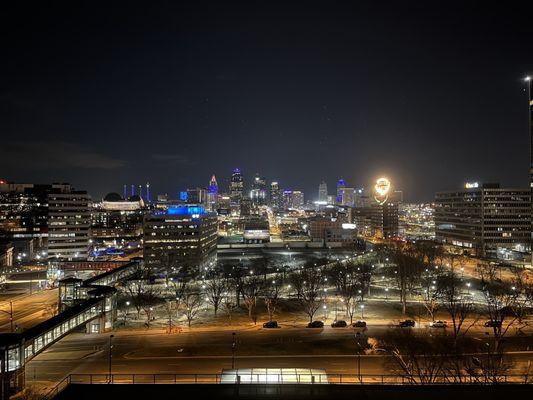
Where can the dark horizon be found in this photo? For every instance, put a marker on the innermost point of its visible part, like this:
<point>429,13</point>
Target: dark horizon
<point>103,95</point>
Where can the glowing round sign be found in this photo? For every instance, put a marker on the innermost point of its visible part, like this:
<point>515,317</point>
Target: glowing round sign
<point>381,189</point>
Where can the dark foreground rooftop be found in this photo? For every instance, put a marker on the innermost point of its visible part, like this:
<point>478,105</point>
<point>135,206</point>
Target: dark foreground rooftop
<point>289,392</point>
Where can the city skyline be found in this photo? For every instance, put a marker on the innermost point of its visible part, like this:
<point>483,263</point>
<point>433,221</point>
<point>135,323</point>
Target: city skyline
<point>430,103</point>
<point>240,199</point>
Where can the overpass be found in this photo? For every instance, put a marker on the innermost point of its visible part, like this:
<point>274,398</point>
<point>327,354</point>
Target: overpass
<point>90,302</point>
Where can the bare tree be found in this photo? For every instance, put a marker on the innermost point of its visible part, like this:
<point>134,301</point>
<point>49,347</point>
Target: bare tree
<point>407,270</point>
<point>177,289</point>
<point>271,294</point>
<point>308,284</point>
<point>429,291</point>
<point>362,275</point>
<point>491,367</point>
<point>148,300</point>
<point>419,360</point>
<point>170,309</point>
<point>215,289</point>
<point>346,286</point>
<point>192,302</point>
<point>524,301</point>
<point>135,290</point>
<point>250,289</point>
<point>228,300</point>
<point>452,298</point>
<point>503,304</point>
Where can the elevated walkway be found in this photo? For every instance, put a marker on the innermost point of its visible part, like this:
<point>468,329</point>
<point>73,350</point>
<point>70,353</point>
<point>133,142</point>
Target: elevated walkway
<point>83,302</point>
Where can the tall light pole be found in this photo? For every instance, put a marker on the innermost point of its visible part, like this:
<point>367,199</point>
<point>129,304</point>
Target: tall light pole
<point>110,354</point>
<point>233,348</point>
<point>527,80</point>
<point>357,335</point>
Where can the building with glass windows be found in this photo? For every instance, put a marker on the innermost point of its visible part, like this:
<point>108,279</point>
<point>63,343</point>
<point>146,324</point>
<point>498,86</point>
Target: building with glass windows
<point>184,236</point>
<point>69,224</point>
<point>485,220</point>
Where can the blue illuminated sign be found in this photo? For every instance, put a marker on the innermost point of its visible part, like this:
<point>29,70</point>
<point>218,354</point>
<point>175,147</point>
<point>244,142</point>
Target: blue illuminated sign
<point>183,196</point>
<point>184,210</point>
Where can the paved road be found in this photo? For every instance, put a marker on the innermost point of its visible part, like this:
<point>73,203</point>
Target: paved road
<point>28,310</point>
<point>207,352</point>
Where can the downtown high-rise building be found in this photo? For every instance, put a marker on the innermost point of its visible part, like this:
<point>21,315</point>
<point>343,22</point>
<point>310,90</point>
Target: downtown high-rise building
<point>212,194</point>
<point>258,193</point>
<point>275,195</point>
<point>345,195</point>
<point>293,199</point>
<point>236,187</point>
<point>323,192</point>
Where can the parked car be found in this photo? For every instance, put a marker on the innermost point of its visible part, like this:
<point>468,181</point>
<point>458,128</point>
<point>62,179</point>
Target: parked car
<point>408,323</point>
<point>339,324</point>
<point>492,324</point>
<point>359,324</point>
<point>438,324</point>
<point>315,324</point>
<point>271,324</point>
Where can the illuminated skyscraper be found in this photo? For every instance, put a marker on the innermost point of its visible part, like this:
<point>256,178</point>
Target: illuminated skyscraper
<point>345,195</point>
<point>236,186</point>
<point>212,194</point>
<point>340,187</point>
<point>275,195</point>
<point>293,199</point>
<point>258,192</point>
<point>323,192</point>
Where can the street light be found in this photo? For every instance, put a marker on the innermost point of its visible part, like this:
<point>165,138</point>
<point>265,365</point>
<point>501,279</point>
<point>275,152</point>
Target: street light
<point>357,335</point>
<point>362,311</point>
<point>110,354</point>
<point>233,349</point>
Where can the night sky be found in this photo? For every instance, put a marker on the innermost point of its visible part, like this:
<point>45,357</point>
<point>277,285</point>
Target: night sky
<point>102,94</point>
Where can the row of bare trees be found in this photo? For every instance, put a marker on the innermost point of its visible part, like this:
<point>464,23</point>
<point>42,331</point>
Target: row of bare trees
<point>424,271</point>
<point>423,359</point>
